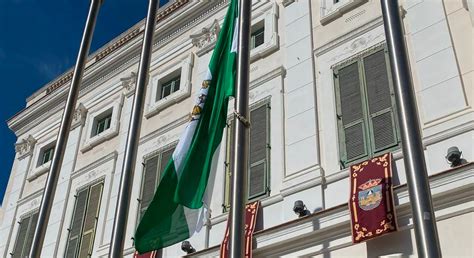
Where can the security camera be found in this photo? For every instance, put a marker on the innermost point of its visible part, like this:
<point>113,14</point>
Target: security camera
<point>187,247</point>
<point>454,156</point>
<point>300,208</point>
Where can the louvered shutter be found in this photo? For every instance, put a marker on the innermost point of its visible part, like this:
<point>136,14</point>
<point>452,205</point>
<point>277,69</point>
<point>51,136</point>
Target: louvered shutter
<point>77,220</point>
<point>165,158</point>
<point>382,120</point>
<point>154,168</point>
<point>149,183</point>
<point>30,234</point>
<point>351,115</point>
<point>229,164</point>
<point>18,251</point>
<point>258,152</point>
<point>90,221</point>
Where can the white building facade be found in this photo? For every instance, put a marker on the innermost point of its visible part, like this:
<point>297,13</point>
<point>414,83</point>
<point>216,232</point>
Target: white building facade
<point>321,97</point>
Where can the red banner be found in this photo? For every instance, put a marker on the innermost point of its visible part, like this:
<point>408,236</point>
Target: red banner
<point>251,212</point>
<point>153,254</point>
<point>371,200</point>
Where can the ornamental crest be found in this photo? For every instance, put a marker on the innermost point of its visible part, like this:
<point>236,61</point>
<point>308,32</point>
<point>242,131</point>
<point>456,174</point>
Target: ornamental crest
<point>371,195</point>
<point>206,38</point>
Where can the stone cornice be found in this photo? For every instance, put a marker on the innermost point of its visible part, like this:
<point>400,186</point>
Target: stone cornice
<point>114,63</point>
<point>334,222</point>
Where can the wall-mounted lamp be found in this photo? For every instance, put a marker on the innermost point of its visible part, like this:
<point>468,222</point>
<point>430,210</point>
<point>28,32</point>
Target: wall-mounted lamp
<point>454,157</point>
<point>300,208</point>
<point>187,247</point>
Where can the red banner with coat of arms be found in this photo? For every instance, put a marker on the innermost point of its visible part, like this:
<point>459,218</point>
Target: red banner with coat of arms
<point>371,199</point>
<point>251,212</point>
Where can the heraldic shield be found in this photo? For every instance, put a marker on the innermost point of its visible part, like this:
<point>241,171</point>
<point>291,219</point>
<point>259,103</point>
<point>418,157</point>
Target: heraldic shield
<point>371,199</point>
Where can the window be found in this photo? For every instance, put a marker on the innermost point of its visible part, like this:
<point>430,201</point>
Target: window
<point>257,37</point>
<point>84,221</point>
<point>365,107</point>
<point>46,155</point>
<point>152,174</point>
<point>168,87</point>
<point>259,157</point>
<point>102,123</point>
<point>25,236</point>
<point>333,9</point>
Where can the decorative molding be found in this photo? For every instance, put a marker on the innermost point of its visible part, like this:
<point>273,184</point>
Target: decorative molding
<point>129,83</point>
<point>162,130</point>
<point>118,43</point>
<point>331,11</point>
<point>286,3</point>
<point>121,59</point>
<point>206,39</point>
<point>279,71</point>
<point>79,116</point>
<point>25,147</point>
<point>90,168</point>
<point>39,171</point>
<point>377,22</point>
<point>185,69</point>
<point>334,223</point>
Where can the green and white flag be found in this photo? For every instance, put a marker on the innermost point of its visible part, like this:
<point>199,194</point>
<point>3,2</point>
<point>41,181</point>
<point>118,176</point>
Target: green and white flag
<point>179,206</point>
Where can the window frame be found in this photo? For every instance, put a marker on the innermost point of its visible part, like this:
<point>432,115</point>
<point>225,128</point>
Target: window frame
<point>171,83</point>
<point>257,29</point>
<point>39,168</point>
<point>105,119</point>
<point>368,130</point>
<point>332,9</point>
<point>227,164</point>
<point>113,108</point>
<point>182,68</point>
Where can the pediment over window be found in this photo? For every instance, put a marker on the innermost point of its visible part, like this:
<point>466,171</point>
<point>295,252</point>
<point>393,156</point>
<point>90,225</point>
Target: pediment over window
<point>206,38</point>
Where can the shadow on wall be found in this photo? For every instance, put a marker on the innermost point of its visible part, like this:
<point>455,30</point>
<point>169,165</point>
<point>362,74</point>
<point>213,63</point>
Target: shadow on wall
<point>396,245</point>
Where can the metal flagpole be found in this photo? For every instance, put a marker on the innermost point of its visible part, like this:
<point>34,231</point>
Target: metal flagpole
<point>128,167</point>
<point>65,127</point>
<point>417,178</point>
<point>242,135</point>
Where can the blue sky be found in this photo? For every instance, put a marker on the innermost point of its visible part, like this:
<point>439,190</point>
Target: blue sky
<point>39,40</point>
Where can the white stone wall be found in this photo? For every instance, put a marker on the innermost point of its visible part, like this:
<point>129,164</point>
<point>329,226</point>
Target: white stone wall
<point>292,71</point>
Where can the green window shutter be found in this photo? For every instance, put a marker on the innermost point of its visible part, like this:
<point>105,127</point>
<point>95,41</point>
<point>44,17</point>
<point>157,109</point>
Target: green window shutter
<point>77,221</point>
<point>229,165</point>
<point>350,113</point>
<point>90,221</point>
<point>25,236</point>
<point>258,152</point>
<point>30,234</point>
<point>149,183</point>
<point>381,113</point>
<point>165,158</point>
<point>153,171</point>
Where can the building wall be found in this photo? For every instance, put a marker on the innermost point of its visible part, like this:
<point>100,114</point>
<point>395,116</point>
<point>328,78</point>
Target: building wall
<point>293,72</point>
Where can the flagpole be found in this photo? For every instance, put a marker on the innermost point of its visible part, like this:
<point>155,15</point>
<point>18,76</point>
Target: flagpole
<point>242,135</point>
<point>128,167</point>
<point>65,127</point>
<point>424,220</point>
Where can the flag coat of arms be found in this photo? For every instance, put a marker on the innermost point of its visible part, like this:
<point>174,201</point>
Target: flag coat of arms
<point>371,200</point>
<point>179,206</point>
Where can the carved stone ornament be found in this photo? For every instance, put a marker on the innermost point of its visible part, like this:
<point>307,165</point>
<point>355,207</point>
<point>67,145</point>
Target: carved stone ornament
<point>79,117</point>
<point>206,39</point>
<point>25,147</point>
<point>129,83</point>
